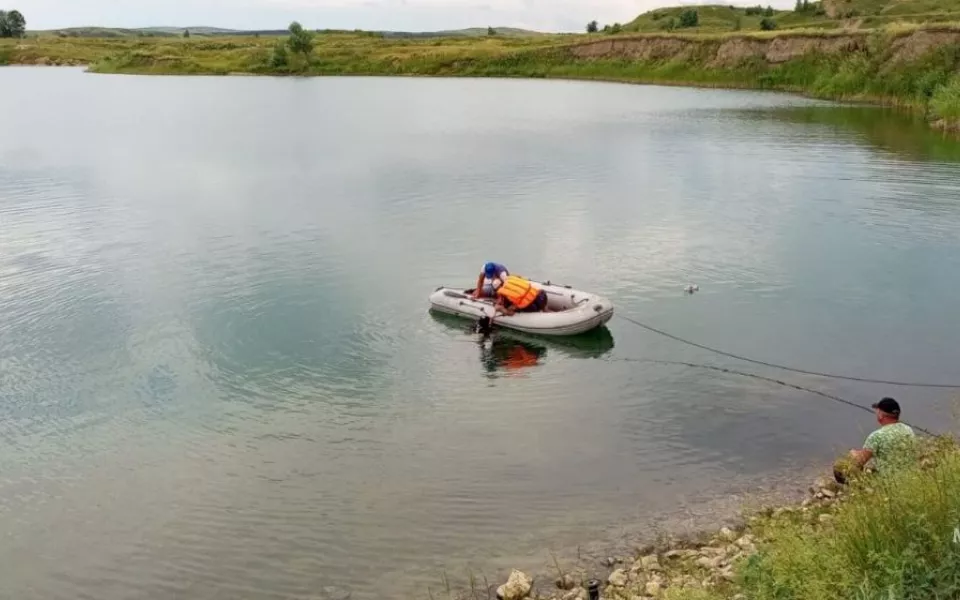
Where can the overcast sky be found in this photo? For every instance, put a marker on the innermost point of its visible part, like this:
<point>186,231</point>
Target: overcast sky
<point>401,15</point>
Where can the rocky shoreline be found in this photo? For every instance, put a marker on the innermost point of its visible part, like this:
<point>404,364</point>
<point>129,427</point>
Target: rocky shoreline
<point>703,562</point>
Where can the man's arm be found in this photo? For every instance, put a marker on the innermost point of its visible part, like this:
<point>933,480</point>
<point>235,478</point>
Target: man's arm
<point>863,455</point>
<point>479,289</point>
<point>502,307</point>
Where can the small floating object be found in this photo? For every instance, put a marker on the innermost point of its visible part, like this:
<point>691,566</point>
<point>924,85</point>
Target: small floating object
<point>692,288</point>
<point>570,311</point>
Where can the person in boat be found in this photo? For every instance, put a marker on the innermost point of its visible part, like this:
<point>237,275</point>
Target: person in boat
<point>492,277</point>
<point>517,294</point>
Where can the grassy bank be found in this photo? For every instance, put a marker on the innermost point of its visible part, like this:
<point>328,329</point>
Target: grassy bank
<point>908,66</point>
<point>890,539</point>
<point>895,537</point>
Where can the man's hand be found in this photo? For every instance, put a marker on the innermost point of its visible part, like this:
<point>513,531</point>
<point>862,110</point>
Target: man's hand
<point>862,457</point>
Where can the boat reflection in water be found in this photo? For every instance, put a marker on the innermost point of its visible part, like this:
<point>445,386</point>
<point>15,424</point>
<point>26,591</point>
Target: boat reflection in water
<point>506,352</point>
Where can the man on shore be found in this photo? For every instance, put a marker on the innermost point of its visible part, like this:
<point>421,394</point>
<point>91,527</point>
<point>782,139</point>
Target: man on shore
<point>890,447</point>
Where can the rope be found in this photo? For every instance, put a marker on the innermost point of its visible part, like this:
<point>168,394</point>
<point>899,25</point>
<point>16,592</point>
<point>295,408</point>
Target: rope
<point>786,368</point>
<point>767,379</point>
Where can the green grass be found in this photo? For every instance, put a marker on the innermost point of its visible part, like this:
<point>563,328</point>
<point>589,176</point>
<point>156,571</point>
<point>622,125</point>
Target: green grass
<point>945,103</point>
<point>892,539</point>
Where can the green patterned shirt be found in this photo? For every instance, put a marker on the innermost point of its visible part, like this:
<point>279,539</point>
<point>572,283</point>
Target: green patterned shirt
<point>893,446</point>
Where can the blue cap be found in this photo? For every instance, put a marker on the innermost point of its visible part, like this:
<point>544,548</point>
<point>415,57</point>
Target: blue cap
<point>490,270</point>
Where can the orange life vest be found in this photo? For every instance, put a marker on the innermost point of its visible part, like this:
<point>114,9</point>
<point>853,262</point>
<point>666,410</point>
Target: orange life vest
<point>520,292</point>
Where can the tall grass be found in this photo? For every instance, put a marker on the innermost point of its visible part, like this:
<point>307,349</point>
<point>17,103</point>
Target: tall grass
<point>945,102</point>
<point>893,539</point>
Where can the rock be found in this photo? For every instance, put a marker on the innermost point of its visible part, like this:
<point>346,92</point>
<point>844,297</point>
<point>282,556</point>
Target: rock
<point>650,563</point>
<point>332,592</point>
<point>709,563</point>
<point>825,518</point>
<point>728,574</point>
<point>617,579</point>
<point>710,551</point>
<point>745,541</point>
<point>610,561</point>
<point>739,597</point>
<point>566,582</point>
<point>673,554</point>
<point>652,588</point>
<point>806,502</point>
<point>517,586</point>
<point>828,493</point>
<point>689,553</point>
<point>727,534</point>
<point>576,594</point>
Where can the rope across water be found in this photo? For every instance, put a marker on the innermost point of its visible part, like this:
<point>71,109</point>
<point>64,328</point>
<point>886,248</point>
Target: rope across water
<point>787,368</point>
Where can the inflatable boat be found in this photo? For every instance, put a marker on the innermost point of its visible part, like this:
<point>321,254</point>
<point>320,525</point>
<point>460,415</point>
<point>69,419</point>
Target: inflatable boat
<point>570,311</point>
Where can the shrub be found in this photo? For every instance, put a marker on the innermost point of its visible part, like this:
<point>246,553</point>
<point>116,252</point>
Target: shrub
<point>945,102</point>
<point>279,58</point>
<point>689,18</point>
<point>767,24</point>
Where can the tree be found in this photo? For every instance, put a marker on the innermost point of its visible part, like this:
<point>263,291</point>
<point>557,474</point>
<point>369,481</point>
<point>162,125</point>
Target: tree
<point>592,27</point>
<point>186,33</point>
<point>17,24</point>
<point>491,31</point>
<point>806,5</point>
<point>767,24</point>
<point>12,24</point>
<point>738,23</point>
<point>769,12</point>
<point>669,25</point>
<point>606,28</point>
<point>300,40</point>
<point>617,28</point>
<point>799,6</point>
<point>689,18</point>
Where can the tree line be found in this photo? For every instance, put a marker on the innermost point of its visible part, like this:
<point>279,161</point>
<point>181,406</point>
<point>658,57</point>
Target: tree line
<point>12,24</point>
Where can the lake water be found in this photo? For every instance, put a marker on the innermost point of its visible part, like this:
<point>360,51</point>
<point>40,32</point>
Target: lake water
<point>218,373</point>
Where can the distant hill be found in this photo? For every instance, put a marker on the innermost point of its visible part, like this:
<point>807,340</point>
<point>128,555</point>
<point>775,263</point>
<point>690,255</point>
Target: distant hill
<point>205,31</point>
<point>823,14</point>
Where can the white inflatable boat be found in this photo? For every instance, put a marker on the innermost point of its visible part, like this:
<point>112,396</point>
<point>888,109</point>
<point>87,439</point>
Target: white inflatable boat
<point>570,311</point>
